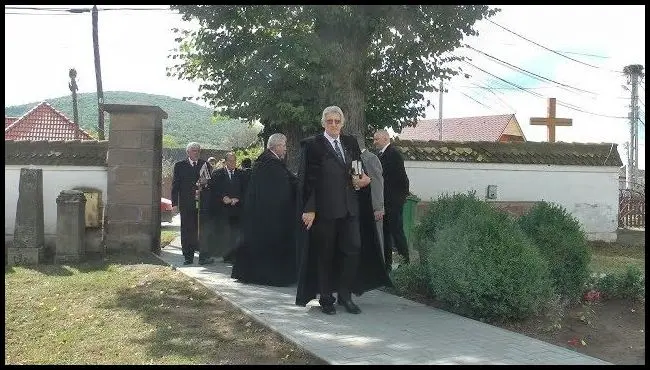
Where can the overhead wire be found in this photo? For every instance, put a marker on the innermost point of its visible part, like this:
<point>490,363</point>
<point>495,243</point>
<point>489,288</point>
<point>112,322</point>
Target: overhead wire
<point>497,96</point>
<point>76,10</point>
<point>475,100</point>
<point>534,75</point>
<point>549,49</point>
<point>559,102</point>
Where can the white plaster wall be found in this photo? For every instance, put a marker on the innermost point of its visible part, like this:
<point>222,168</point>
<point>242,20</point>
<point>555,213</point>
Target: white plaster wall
<point>55,179</point>
<point>589,193</point>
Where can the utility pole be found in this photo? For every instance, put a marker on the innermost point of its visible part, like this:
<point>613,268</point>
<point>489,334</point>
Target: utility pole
<point>73,88</point>
<point>440,112</point>
<point>98,77</point>
<point>633,72</point>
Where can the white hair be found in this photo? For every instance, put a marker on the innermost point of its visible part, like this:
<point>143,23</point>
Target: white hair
<point>275,140</point>
<point>192,145</point>
<point>333,109</point>
<point>383,133</point>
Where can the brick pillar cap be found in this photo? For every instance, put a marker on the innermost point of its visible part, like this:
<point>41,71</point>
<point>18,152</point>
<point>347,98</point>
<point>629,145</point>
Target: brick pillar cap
<point>134,108</point>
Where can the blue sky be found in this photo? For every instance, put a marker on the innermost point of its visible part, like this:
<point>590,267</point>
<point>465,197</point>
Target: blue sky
<point>134,46</point>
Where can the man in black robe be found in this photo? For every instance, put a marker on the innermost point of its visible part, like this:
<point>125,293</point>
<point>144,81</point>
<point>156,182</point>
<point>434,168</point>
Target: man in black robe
<point>266,254</point>
<point>337,242</point>
<point>225,194</point>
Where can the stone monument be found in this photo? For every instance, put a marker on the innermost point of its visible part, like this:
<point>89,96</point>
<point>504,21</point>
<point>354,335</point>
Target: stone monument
<point>29,233</point>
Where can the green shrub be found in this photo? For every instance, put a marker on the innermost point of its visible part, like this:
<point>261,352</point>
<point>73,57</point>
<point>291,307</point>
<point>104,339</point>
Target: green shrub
<point>443,211</point>
<point>483,266</point>
<point>627,285</point>
<point>608,285</point>
<point>562,242</point>
<point>632,283</point>
<point>410,279</point>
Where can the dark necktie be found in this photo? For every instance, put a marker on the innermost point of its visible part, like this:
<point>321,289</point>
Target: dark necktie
<point>193,163</point>
<point>338,151</point>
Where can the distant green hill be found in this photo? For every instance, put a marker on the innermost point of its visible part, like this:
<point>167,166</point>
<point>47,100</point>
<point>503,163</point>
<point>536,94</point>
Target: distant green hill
<point>187,121</point>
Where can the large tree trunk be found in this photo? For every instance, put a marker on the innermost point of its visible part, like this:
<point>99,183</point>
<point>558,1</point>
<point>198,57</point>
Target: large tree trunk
<point>294,135</point>
<point>356,113</point>
<point>352,91</point>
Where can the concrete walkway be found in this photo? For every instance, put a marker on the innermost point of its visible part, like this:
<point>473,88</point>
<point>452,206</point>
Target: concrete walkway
<point>390,330</point>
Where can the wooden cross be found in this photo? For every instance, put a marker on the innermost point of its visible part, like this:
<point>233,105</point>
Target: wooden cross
<point>551,121</point>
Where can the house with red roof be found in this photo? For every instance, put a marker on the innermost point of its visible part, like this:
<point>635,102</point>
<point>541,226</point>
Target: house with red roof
<point>43,122</point>
<point>498,128</point>
<point>9,121</point>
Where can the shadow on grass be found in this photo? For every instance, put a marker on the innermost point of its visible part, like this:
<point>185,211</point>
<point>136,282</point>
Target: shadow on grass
<point>194,325</point>
<point>182,324</point>
<point>90,264</point>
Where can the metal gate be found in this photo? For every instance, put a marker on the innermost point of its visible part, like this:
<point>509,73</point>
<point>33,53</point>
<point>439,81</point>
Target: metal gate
<point>631,208</point>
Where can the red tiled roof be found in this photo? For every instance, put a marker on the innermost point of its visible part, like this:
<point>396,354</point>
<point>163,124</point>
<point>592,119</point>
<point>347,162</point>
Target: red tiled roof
<point>44,122</point>
<point>482,128</point>
<point>10,120</point>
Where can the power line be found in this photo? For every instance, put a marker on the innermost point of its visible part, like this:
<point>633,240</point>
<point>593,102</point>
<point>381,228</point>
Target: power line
<point>24,13</point>
<point>559,51</point>
<point>551,50</point>
<point>475,100</point>
<point>514,88</point>
<point>535,75</point>
<point>570,106</point>
<point>583,54</point>
<point>498,97</point>
<point>76,10</point>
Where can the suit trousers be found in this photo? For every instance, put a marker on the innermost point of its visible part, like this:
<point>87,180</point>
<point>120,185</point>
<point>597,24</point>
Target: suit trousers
<point>189,233</point>
<point>331,236</point>
<point>394,233</point>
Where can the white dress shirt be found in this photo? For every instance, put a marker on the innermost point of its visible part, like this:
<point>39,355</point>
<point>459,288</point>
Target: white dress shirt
<point>383,149</point>
<point>331,140</point>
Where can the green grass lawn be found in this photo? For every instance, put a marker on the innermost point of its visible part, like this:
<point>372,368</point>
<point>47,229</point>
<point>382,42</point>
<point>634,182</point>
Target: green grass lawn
<point>167,236</point>
<point>610,257</point>
<point>129,310</point>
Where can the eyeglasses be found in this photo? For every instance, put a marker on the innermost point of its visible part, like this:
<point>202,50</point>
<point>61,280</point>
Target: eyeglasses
<point>333,121</point>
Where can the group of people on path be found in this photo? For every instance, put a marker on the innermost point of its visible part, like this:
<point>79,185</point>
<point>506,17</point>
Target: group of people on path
<point>330,228</point>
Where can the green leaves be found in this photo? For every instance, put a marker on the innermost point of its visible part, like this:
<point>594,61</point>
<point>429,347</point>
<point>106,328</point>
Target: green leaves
<point>283,64</point>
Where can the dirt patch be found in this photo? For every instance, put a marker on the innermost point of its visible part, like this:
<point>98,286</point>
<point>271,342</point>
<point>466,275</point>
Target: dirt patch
<point>611,330</point>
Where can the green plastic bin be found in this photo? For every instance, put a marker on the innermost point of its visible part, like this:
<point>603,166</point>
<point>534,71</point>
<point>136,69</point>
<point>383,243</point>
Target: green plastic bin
<point>408,215</point>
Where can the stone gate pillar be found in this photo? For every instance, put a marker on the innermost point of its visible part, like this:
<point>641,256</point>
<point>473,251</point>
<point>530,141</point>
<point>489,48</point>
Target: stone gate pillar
<point>134,159</point>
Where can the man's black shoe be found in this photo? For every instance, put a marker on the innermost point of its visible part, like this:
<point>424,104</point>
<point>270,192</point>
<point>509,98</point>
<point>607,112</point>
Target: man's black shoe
<point>207,261</point>
<point>349,306</point>
<point>188,262</point>
<point>329,309</point>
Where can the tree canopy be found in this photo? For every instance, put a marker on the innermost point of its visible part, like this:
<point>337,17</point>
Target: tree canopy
<point>283,64</point>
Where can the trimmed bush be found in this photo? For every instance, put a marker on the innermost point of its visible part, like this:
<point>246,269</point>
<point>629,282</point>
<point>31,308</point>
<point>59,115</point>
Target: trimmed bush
<point>562,242</point>
<point>445,210</point>
<point>483,266</point>
<point>627,285</point>
<point>410,278</point>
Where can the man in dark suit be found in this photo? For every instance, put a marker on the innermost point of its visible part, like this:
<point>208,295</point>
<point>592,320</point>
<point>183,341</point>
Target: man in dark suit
<point>226,192</point>
<point>184,188</point>
<point>396,189</point>
<point>331,210</point>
